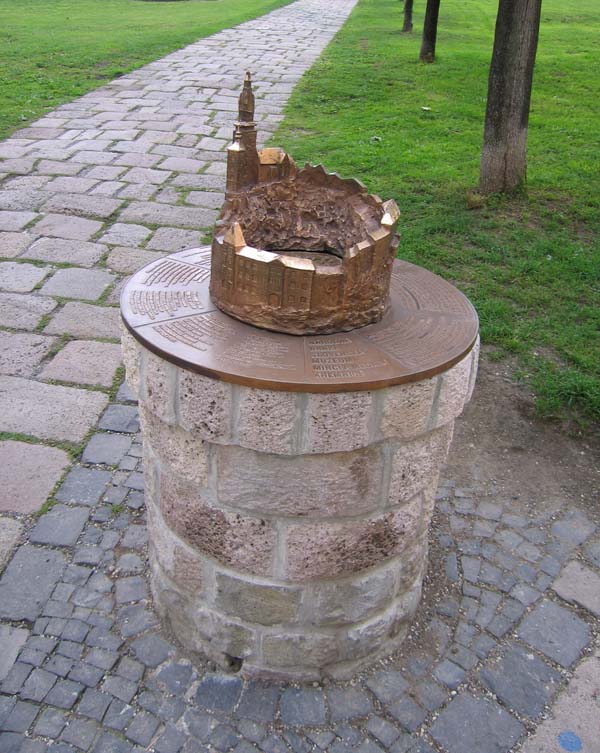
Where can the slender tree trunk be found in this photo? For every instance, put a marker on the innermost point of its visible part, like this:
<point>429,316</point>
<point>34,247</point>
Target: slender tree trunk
<point>432,10</point>
<point>504,152</point>
<point>408,8</point>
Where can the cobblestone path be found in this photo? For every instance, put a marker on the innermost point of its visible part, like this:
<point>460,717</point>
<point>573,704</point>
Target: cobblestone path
<point>89,193</point>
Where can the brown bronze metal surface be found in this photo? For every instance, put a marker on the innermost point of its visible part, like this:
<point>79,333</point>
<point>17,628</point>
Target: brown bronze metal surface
<point>429,327</point>
<point>300,251</point>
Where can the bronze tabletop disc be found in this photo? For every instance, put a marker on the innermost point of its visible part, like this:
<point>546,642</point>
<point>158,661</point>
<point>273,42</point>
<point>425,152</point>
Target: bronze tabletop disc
<point>429,326</point>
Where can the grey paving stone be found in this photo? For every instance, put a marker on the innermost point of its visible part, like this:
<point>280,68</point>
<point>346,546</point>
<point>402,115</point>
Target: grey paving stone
<point>83,486</point>
<point>50,723</point>
<point>579,585</point>
<point>110,743</point>
<point>88,284</point>
<point>152,650</point>
<point>81,253</point>
<point>218,692</point>
<point>102,658</point>
<point>475,725</point>
<point>28,581</point>
<point>170,741</point>
<point>60,526</point>
<point>80,733</point>
<point>48,411</point>
<point>410,714</point>
<point>574,528</point>
<point>556,632</point>
<point>159,214</point>
<point>303,707</point>
<point>387,685</point>
<point>22,352</point>
<point>142,728</point>
<point>64,694</point>
<point>11,742</point>
<point>21,278</point>
<point>450,674</point>
<point>94,704</point>
<point>258,702</point>
<point>85,320</point>
<point>12,244</point>
<point>24,311</point>
<point>85,362</point>
<point>348,703</point>
<point>199,724</point>
<point>120,687</point>
<point>591,552</point>
<point>119,715</point>
<point>37,685</point>
<point>13,682</point>
<point>86,674</point>
<point>175,677</point>
<point>62,226</point>
<point>121,418</point>
<point>20,717</point>
<point>11,642</point>
<point>223,738</point>
<point>521,680</point>
<point>129,260</point>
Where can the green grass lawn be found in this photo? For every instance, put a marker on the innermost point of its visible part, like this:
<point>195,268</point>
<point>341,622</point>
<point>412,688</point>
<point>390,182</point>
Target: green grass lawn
<point>530,263</point>
<point>52,51</point>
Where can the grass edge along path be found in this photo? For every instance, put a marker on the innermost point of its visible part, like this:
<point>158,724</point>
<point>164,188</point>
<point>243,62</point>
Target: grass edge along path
<point>410,131</point>
<point>52,51</point>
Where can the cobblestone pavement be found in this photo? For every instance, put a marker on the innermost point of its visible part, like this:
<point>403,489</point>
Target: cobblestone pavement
<point>88,194</point>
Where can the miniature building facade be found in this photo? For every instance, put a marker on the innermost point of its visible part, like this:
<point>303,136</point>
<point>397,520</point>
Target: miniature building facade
<point>300,251</point>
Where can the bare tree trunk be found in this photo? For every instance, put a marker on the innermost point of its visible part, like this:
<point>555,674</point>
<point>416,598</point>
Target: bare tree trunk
<point>432,10</point>
<point>408,8</point>
<point>504,152</point>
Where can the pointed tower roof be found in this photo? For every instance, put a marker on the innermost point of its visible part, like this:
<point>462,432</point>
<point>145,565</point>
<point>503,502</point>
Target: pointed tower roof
<point>246,101</point>
<point>235,237</point>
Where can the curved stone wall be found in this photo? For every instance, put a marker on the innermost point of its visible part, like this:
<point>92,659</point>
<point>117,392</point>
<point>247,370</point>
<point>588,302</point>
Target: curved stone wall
<point>288,531</point>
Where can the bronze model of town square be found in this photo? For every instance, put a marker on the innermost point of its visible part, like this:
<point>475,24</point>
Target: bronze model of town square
<point>300,251</point>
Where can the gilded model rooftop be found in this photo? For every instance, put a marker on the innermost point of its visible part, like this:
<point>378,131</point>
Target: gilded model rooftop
<point>301,251</point>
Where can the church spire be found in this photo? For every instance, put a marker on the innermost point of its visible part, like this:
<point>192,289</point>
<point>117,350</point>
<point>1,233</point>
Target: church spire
<point>246,101</point>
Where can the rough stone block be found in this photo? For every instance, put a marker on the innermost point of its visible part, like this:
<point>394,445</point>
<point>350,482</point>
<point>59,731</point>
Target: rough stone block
<point>329,550</point>
<point>279,410</point>
<point>24,311</point>
<point>406,409</point>
<point>241,542</point>
<point>324,485</point>
<point>85,320</point>
<point>173,239</point>
<point>157,386</point>
<point>352,600</point>
<point>10,532</point>
<point>452,397</point>
<point>21,353</point>
<point>48,411</point>
<point>259,603</point>
<point>124,234</point>
<point>132,354</point>
<point>416,465</point>
<point>178,561</point>
<point>20,278</point>
<point>13,221</point>
<point>205,406</point>
<point>337,422</point>
<point>85,362</point>
<point>299,651</point>
<point>179,451</point>
<point>26,486</point>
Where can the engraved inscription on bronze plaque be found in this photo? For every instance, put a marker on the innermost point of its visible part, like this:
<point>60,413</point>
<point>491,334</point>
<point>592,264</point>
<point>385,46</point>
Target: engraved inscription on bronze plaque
<point>428,327</point>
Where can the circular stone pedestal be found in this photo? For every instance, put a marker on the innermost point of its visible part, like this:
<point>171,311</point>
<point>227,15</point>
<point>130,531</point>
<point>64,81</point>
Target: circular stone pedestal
<point>290,480</point>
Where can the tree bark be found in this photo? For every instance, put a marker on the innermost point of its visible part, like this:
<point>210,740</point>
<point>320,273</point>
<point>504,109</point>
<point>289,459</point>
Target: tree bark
<point>408,9</point>
<point>504,152</point>
<point>427,54</point>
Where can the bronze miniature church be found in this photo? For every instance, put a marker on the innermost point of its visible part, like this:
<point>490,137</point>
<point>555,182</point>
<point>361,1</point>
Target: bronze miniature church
<point>301,251</point>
